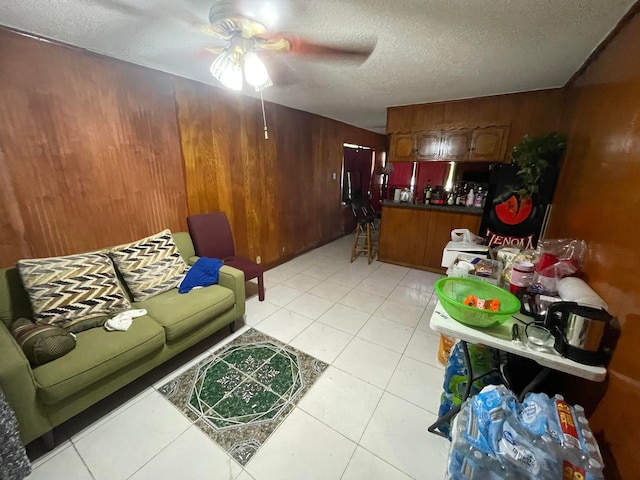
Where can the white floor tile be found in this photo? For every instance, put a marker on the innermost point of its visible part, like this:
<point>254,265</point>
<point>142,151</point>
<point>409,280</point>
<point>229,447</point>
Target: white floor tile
<point>367,302</point>
<point>367,361</point>
<point>366,466</point>
<point>244,476</point>
<point>323,271</point>
<point>281,295</point>
<point>302,448</point>
<point>65,464</point>
<point>193,449</point>
<point>400,312</point>
<point>386,333</point>
<point>302,263</point>
<point>105,411</point>
<point>345,318</point>
<point>322,341</point>
<point>424,347</point>
<point>418,383</point>
<point>342,401</point>
<point>309,305</point>
<point>284,325</point>
<point>256,311</point>
<point>375,286</point>
<point>389,273</point>
<point>330,290</point>
<point>398,434</point>
<point>425,320</point>
<point>410,296</point>
<point>133,438</point>
<point>301,282</point>
<point>420,280</point>
<point>348,278</point>
<point>279,274</point>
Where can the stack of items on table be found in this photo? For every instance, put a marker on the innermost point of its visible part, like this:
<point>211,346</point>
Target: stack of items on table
<point>494,437</point>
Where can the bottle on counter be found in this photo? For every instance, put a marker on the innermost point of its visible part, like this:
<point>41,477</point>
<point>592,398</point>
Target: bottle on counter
<point>451,198</point>
<point>470,198</point>
<point>477,202</point>
<point>427,193</point>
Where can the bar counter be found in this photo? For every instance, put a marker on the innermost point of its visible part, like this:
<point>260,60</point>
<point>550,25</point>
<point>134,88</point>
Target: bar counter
<point>414,235</point>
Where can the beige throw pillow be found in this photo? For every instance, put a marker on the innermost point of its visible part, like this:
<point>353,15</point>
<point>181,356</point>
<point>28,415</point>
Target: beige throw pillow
<point>70,290</point>
<point>150,266</point>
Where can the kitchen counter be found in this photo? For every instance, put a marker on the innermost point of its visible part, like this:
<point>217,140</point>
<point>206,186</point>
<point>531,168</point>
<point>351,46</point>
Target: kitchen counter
<point>440,208</point>
<point>414,235</point>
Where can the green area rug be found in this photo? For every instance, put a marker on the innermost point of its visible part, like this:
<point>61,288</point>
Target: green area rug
<point>241,393</point>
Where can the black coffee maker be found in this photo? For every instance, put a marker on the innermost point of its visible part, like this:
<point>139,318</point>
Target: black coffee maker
<point>580,332</point>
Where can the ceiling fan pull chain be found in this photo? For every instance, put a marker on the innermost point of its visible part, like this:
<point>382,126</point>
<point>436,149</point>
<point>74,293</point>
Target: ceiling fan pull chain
<point>264,118</point>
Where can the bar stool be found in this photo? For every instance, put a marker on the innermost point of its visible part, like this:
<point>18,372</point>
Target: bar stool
<point>362,242</point>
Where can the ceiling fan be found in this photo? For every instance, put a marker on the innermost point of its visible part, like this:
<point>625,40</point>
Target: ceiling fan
<point>246,37</point>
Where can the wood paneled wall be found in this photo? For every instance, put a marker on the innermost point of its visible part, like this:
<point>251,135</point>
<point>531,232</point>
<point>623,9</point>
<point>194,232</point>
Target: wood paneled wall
<point>279,194</point>
<point>96,152</point>
<point>89,151</point>
<point>527,113</point>
<point>598,199</point>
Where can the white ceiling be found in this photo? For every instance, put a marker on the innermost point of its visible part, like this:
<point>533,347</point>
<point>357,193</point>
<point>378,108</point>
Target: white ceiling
<point>426,50</point>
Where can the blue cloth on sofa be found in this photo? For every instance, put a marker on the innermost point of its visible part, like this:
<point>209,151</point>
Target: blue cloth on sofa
<point>203,273</point>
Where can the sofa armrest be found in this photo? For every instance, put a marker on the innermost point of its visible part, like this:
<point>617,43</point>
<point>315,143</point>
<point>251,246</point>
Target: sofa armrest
<point>233,279</point>
<point>19,387</point>
<point>192,260</point>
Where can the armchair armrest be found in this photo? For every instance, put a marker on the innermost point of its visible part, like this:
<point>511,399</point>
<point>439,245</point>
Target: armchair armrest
<point>233,279</point>
<point>20,389</point>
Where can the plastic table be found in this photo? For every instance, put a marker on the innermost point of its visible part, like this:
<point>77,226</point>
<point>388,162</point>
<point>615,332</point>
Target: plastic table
<point>499,337</point>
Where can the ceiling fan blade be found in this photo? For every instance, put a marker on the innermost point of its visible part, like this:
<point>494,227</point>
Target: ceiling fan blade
<point>216,50</point>
<point>282,75</point>
<point>303,47</point>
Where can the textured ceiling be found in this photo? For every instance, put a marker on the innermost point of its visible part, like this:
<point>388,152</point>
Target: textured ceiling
<point>426,51</point>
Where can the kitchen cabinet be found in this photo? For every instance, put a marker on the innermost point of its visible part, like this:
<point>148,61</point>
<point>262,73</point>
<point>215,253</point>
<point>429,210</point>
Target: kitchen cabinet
<point>428,145</point>
<point>455,145</point>
<point>488,144</point>
<point>403,148</point>
<point>483,144</point>
<point>415,236</point>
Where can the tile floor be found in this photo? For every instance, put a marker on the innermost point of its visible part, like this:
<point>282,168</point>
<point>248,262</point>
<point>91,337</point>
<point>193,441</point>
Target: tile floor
<point>366,417</point>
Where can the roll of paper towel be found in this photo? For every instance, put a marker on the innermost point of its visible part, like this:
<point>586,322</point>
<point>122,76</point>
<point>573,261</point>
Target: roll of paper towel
<point>572,289</point>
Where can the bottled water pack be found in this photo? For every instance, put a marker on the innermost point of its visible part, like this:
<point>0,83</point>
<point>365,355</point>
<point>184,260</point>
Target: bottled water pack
<point>495,437</point>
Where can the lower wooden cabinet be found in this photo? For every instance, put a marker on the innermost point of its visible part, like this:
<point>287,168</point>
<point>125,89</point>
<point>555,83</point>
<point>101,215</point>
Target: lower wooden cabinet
<point>415,237</point>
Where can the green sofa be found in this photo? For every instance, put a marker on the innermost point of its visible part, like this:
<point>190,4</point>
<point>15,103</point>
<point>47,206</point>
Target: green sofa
<point>102,362</point>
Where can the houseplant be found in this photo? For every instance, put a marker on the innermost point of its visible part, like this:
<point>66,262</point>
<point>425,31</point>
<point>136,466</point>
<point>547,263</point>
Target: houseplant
<point>532,156</point>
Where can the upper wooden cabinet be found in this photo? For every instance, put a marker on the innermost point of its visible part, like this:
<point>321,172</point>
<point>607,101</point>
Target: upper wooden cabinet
<point>428,144</point>
<point>455,145</point>
<point>403,148</point>
<point>486,144</point>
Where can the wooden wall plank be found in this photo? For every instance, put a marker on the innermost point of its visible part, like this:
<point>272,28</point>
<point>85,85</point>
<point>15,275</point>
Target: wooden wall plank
<point>90,155</point>
<point>96,152</point>
<point>279,193</point>
<point>597,199</point>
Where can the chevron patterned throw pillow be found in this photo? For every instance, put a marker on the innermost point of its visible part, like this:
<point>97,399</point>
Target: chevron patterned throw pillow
<point>150,266</point>
<point>66,291</point>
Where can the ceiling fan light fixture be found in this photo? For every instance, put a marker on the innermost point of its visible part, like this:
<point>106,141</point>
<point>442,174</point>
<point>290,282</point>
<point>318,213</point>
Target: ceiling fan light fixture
<point>255,73</point>
<point>227,70</point>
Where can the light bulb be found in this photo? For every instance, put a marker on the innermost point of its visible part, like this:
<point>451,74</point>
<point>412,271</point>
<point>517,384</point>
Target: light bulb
<point>227,70</point>
<point>255,73</point>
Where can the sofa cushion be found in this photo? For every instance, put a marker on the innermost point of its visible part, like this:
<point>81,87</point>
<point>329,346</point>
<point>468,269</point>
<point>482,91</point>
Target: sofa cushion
<point>150,266</point>
<point>181,313</point>
<point>98,354</point>
<point>42,343</point>
<point>66,291</point>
